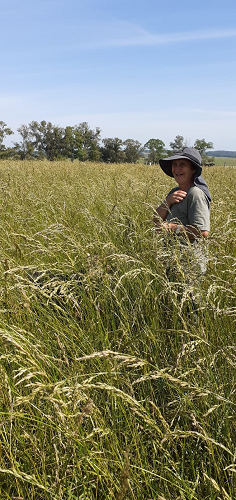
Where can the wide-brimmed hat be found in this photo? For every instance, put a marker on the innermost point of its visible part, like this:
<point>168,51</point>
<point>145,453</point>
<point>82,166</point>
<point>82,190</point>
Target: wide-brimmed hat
<point>194,156</point>
<point>191,154</point>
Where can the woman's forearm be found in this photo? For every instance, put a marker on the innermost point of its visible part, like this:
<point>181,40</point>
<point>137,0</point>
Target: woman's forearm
<point>164,207</point>
<point>162,211</point>
<point>192,232</point>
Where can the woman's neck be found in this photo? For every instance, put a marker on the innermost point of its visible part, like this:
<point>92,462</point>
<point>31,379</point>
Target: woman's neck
<point>185,187</point>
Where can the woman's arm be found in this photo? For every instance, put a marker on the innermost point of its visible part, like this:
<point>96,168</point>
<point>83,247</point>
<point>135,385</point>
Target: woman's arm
<point>191,232</point>
<point>164,207</point>
<point>198,214</point>
<point>172,198</point>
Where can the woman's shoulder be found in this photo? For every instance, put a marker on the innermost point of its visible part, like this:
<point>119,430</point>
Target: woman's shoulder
<point>176,188</point>
<point>195,194</point>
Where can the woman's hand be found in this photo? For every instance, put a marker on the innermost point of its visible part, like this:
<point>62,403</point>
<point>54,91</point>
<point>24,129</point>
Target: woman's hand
<point>163,227</point>
<point>176,197</point>
<point>164,208</point>
<point>190,232</point>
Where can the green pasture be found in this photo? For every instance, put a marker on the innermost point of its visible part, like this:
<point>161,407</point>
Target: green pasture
<point>224,161</point>
<point>117,381</point>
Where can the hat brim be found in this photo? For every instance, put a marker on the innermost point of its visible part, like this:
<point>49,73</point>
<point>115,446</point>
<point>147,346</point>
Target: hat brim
<point>166,164</point>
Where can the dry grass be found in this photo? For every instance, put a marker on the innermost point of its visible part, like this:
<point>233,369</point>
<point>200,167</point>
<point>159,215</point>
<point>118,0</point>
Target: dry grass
<point>111,387</point>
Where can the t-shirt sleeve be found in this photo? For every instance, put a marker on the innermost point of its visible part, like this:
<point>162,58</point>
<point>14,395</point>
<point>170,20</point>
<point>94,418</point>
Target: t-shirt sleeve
<point>198,209</point>
<point>173,190</point>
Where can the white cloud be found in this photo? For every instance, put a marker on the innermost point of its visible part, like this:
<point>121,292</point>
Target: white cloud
<point>101,34</point>
<point>9,101</point>
<point>119,34</point>
<point>229,113</point>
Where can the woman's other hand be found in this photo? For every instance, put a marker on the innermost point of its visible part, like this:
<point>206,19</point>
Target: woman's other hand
<point>162,227</point>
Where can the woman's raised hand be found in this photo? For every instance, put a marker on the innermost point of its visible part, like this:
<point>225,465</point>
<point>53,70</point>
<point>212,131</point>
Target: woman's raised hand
<point>175,197</point>
<point>164,207</point>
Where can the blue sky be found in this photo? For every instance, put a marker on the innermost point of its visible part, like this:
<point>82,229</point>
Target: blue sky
<point>136,69</point>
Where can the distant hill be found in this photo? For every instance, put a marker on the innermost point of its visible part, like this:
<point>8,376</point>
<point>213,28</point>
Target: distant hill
<point>217,154</point>
<point>222,154</point>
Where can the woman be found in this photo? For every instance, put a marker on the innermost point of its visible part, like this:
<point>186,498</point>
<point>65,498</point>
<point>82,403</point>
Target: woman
<point>186,210</point>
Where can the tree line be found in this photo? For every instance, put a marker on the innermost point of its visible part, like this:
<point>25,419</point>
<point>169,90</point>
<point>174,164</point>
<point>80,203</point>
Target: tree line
<point>43,140</point>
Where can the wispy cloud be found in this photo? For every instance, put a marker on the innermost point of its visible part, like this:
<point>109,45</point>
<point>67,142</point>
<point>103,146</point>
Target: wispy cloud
<point>121,34</point>
<point>101,35</point>
<point>229,113</point>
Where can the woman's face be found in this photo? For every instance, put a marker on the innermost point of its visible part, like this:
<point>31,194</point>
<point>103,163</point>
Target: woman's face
<point>183,172</point>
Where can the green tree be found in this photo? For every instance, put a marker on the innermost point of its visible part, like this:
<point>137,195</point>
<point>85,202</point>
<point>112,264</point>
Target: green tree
<point>54,142</point>
<point>132,150</point>
<point>202,147</point>
<point>94,153</point>
<point>90,142</point>
<point>40,140</point>
<point>45,140</point>
<point>72,144</point>
<point>112,150</point>
<point>38,132</point>
<point>4,131</point>
<point>177,144</point>
<point>156,150</point>
<point>24,149</point>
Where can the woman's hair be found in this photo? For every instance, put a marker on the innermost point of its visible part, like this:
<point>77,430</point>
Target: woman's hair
<point>193,167</point>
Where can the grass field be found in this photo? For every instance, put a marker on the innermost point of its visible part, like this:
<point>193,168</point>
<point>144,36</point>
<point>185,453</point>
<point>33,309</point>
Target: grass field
<point>111,386</point>
<point>219,162</point>
<point>229,162</point>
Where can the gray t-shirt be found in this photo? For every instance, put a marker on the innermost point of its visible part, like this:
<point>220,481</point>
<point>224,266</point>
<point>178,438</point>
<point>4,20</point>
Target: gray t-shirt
<point>193,210</point>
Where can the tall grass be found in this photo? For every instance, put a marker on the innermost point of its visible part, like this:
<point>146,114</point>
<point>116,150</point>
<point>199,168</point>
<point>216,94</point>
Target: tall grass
<point>113,386</point>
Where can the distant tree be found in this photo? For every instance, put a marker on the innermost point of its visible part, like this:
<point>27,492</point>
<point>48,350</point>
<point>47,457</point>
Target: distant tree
<point>24,149</point>
<point>177,144</point>
<point>40,140</point>
<point>90,142</point>
<point>82,143</point>
<point>202,147</point>
<point>4,131</point>
<point>33,142</point>
<point>45,140</point>
<point>132,150</point>
<point>94,153</point>
<point>72,144</point>
<point>112,150</point>
<point>68,145</point>
<point>54,142</point>
<point>38,134</point>
<point>157,150</point>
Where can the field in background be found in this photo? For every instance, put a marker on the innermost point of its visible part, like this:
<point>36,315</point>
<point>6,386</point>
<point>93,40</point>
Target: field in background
<point>116,382</point>
<point>219,162</point>
<point>230,162</point>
